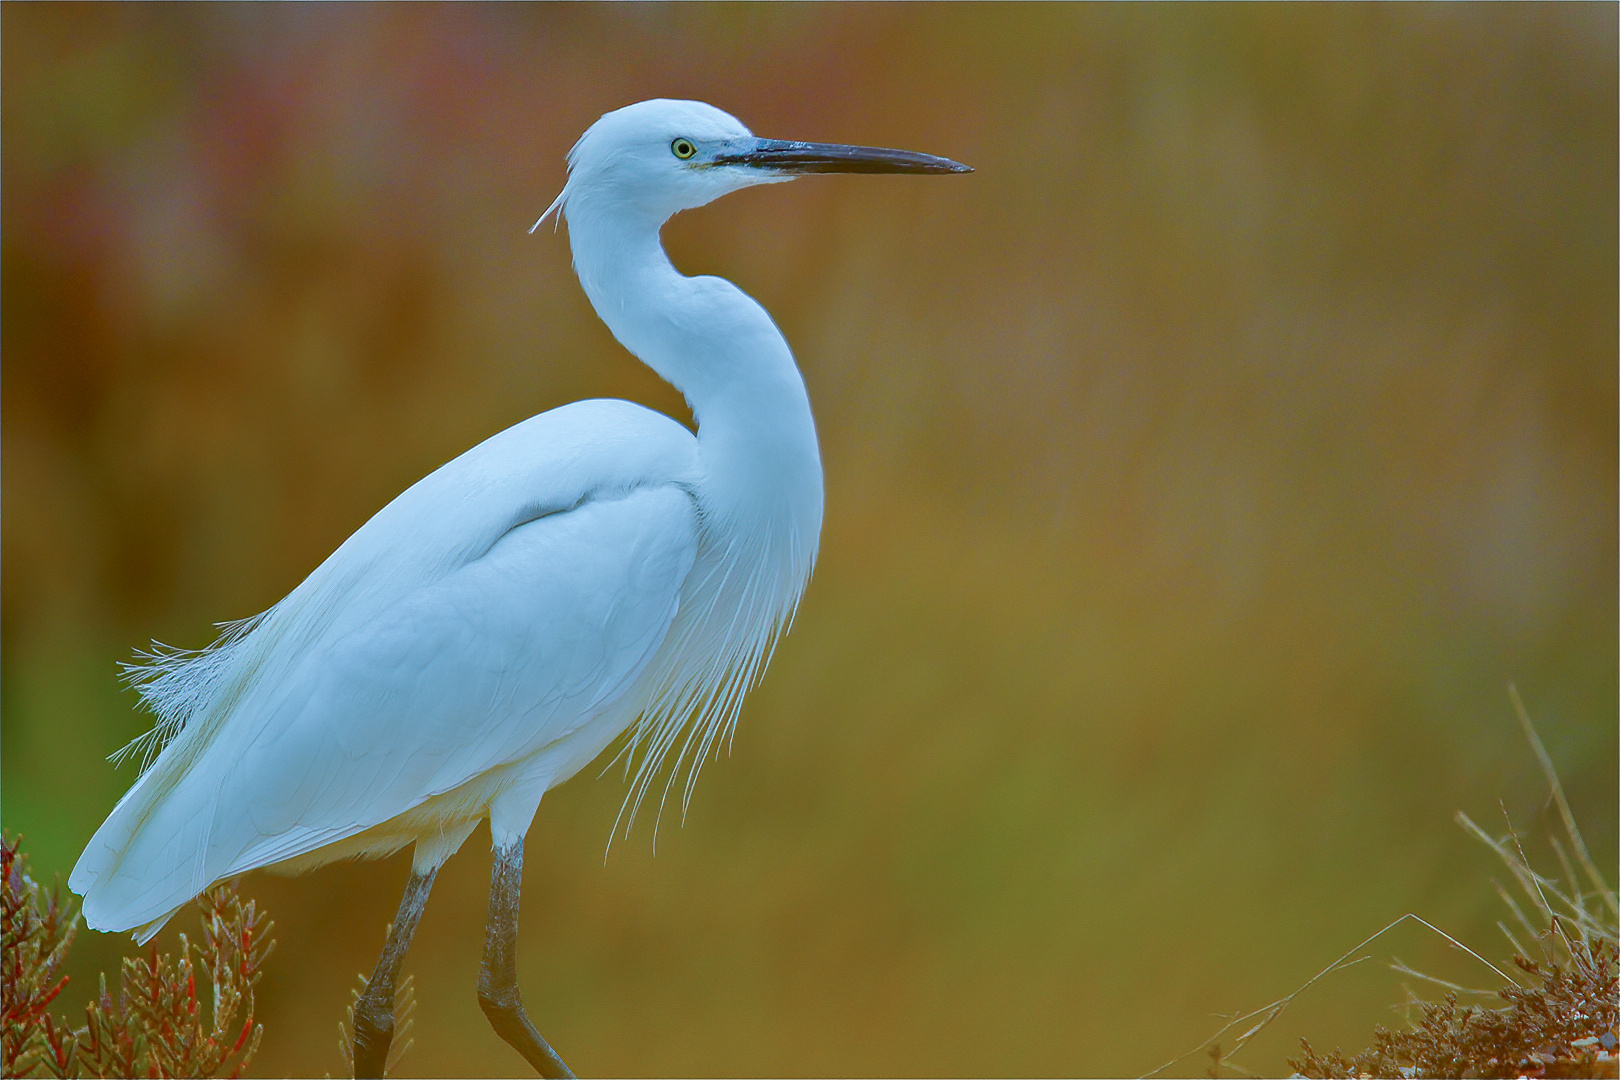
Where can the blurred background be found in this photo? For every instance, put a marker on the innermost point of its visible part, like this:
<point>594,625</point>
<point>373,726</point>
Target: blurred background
<point>1200,472</point>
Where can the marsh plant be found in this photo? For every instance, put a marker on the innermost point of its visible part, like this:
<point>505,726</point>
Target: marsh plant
<point>189,1013</point>
<point>1562,1008</point>
<point>1552,1013</point>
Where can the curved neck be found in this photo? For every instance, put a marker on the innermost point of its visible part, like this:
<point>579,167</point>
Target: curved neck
<point>719,348</point>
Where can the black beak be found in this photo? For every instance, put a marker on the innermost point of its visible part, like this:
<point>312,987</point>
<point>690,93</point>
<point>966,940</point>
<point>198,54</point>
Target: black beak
<point>778,156</point>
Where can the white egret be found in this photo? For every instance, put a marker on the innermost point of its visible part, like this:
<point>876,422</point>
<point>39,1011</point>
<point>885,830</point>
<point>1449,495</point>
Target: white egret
<point>591,570</point>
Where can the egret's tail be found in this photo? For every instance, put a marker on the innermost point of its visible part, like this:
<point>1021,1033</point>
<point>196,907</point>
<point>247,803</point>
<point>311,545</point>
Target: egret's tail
<point>140,867</point>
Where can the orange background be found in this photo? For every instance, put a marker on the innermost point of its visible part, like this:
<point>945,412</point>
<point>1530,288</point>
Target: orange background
<point>1200,470</point>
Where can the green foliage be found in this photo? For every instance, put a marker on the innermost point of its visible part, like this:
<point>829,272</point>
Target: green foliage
<point>158,1025</point>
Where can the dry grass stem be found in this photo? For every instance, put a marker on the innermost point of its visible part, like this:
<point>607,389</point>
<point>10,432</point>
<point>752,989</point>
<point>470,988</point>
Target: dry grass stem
<point>1560,1022</point>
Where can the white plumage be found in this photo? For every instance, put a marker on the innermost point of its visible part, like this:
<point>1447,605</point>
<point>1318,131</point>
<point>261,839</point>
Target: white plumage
<point>481,636</point>
<point>592,570</point>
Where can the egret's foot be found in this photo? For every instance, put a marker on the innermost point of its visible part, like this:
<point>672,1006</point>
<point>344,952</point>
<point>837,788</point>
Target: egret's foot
<point>512,1023</point>
<point>373,1034</point>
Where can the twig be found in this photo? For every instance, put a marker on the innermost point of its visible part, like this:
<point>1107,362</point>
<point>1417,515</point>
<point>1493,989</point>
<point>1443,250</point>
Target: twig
<point>1534,885</point>
<point>1524,861</point>
<point>1581,854</point>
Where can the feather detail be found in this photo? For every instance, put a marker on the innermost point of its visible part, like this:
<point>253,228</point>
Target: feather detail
<point>174,684</point>
<point>739,601</point>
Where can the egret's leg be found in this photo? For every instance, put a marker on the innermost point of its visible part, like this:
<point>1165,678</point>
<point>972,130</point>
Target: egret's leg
<point>497,977</point>
<point>374,1012</point>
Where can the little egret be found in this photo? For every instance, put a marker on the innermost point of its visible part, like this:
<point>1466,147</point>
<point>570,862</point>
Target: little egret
<point>591,570</point>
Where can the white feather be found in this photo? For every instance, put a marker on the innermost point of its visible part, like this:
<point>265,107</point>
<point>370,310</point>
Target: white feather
<point>592,570</point>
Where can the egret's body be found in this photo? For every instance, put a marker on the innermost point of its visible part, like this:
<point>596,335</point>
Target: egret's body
<point>495,627</point>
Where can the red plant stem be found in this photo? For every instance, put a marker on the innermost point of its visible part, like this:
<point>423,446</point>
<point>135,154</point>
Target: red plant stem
<point>50,997</point>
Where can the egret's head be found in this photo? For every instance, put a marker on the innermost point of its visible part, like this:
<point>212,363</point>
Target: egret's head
<point>657,158</point>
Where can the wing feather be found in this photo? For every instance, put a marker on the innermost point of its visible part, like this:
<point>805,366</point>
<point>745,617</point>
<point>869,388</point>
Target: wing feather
<point>486,613</point>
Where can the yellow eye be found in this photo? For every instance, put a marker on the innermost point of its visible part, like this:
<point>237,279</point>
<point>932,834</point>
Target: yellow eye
<point>682,148</point>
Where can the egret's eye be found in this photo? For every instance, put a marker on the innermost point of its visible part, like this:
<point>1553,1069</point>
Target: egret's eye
<point>683,148</point>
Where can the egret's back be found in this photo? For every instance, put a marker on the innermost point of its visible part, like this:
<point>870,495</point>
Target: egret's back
<point>499,606</point>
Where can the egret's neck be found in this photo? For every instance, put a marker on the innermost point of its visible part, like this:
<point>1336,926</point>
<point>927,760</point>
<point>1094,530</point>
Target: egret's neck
<point>722,351</point>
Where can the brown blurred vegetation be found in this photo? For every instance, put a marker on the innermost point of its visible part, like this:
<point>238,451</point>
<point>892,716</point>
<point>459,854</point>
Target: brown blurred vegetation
<point>1200,470</point>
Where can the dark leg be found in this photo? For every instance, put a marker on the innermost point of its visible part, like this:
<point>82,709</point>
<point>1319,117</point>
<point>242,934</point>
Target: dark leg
<point>374,1012</point>
<point>497,978</point>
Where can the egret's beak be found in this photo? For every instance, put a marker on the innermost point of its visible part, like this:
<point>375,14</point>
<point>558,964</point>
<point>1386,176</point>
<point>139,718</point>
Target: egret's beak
<point>793,158</point>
